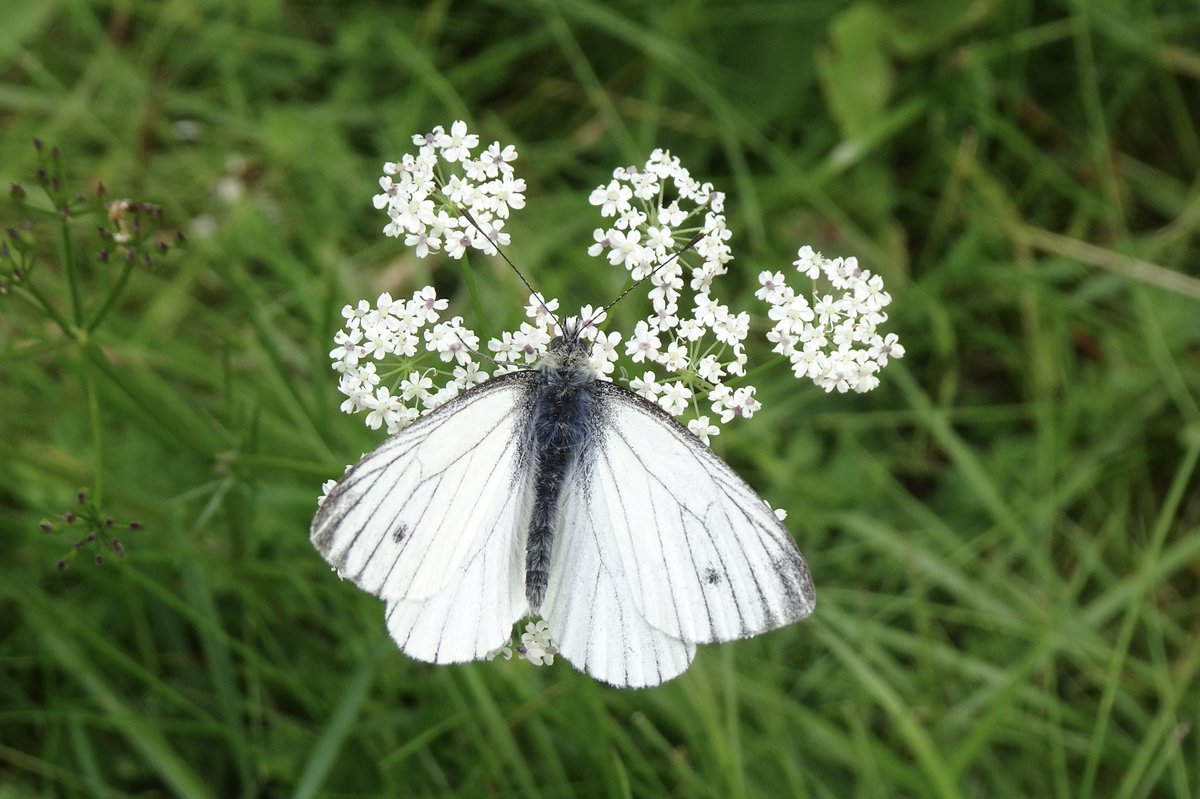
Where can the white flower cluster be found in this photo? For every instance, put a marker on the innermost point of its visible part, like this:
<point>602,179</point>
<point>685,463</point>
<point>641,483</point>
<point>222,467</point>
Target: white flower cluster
<point>657,210</point>
<point>834,340</point>
<point>428,196</point>
<point>537,645</point>
<point>398,359</point>
<point>398,393</point>
<point>386,354</point>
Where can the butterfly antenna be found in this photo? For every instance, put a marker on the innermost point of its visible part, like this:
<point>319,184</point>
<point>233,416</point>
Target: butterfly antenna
<point>507,260</point>
<point>695,240</point>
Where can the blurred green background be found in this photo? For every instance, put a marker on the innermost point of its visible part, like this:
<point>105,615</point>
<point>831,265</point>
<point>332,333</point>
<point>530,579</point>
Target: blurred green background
<point>1004,535</point>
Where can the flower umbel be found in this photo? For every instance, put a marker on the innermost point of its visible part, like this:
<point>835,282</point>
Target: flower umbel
<point>537,645</point>
<point>834,340</point>
<point>430,197</point>
<point>99,530</point>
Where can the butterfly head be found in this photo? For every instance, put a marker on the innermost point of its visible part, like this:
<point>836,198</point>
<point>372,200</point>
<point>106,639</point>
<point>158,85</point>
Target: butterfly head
<point>571,341</point>
<point>571,350</point>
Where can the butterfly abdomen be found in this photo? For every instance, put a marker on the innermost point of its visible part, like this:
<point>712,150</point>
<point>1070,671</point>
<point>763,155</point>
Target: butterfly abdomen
<point>561,429</point>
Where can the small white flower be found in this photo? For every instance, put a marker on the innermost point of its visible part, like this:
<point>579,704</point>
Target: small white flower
<point>809,262</point>
<point>710,369</point>
<point>671,215</point>
<point>383,407</point>
<point>793,313</point>
<point>631,219</point>
<point>740,404</point>
<point>326,487</point>
<point>601,242</point>
<point>675,358</point>
<point>537,645</point>
<point>496,159</point>
<point>882,349</point>
<point>604,351</point>
<point>625,249</point>
<point>508,193</point>
<point>415,386</point>
<point>702,428</point>
<point>644,344</point>
<point>422,242</point>
<point>426,305</point>
<point>706,309</point>
<point>458,244</point>
<point>646,386</point>
<point>541,310</point>
<point>440,397</point>
<point>531,342</point>
<point>469,375</point>
<point>675,397</point>
<point>451,341</point>
<point>660,240</point>
<point>378,341</point>
<point>357,392</point>
<point>664,316</point>
<point>612,199</point>
<point>353,313</point>
<point>591,317</point>
<point>347,350</point>
<point>457,145</point>
<point>691,330</point>
<point>731,328</point>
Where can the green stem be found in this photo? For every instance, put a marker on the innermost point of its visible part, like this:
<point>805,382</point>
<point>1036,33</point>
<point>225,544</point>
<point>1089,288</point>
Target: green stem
<point>93,403</point>
<point>111,299</point>
<point>762,367</point>
<point>35,297</point>
<point>72,271</point>
<point>469,277</point>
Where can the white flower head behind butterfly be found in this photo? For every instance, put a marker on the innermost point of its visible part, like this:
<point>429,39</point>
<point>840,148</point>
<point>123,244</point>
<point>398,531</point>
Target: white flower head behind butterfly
<point>547,490</point>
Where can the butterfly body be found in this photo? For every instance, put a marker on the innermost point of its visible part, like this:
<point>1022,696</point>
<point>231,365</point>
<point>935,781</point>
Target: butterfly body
<point>562,426</point>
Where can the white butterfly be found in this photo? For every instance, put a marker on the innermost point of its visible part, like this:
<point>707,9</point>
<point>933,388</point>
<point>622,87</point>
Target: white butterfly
<point>549,492</point>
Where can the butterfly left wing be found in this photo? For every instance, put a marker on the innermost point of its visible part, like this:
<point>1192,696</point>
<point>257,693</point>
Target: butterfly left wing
<point>685,551</point>
<point>434,521</point>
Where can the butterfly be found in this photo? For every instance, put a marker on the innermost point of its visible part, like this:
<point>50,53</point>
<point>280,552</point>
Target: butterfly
<point>548,492</point>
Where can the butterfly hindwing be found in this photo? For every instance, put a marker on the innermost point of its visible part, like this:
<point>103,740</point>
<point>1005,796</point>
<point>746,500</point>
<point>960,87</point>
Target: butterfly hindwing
<point>434,521</point>
<point>589,602</point>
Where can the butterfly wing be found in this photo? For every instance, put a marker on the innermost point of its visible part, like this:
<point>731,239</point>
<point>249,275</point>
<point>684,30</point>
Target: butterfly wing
<point>434,522</point>
<point>590,603</point>
<point>679,550</point>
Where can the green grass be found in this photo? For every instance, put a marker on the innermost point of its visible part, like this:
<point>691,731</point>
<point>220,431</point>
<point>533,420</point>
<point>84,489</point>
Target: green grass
<point>1004,536</point>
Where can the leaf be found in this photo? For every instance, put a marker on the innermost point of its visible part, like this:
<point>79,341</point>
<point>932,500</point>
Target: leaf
<point>855,69</point>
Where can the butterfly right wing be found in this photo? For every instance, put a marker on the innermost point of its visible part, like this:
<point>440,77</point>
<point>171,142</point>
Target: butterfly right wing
<point>708,560</point>
<point>662,547</point>
<point>434,521</point>
<point>590,605</point>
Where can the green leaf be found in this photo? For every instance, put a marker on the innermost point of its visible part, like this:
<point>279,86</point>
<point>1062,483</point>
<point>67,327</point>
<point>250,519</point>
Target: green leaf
<point>855,70</point>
